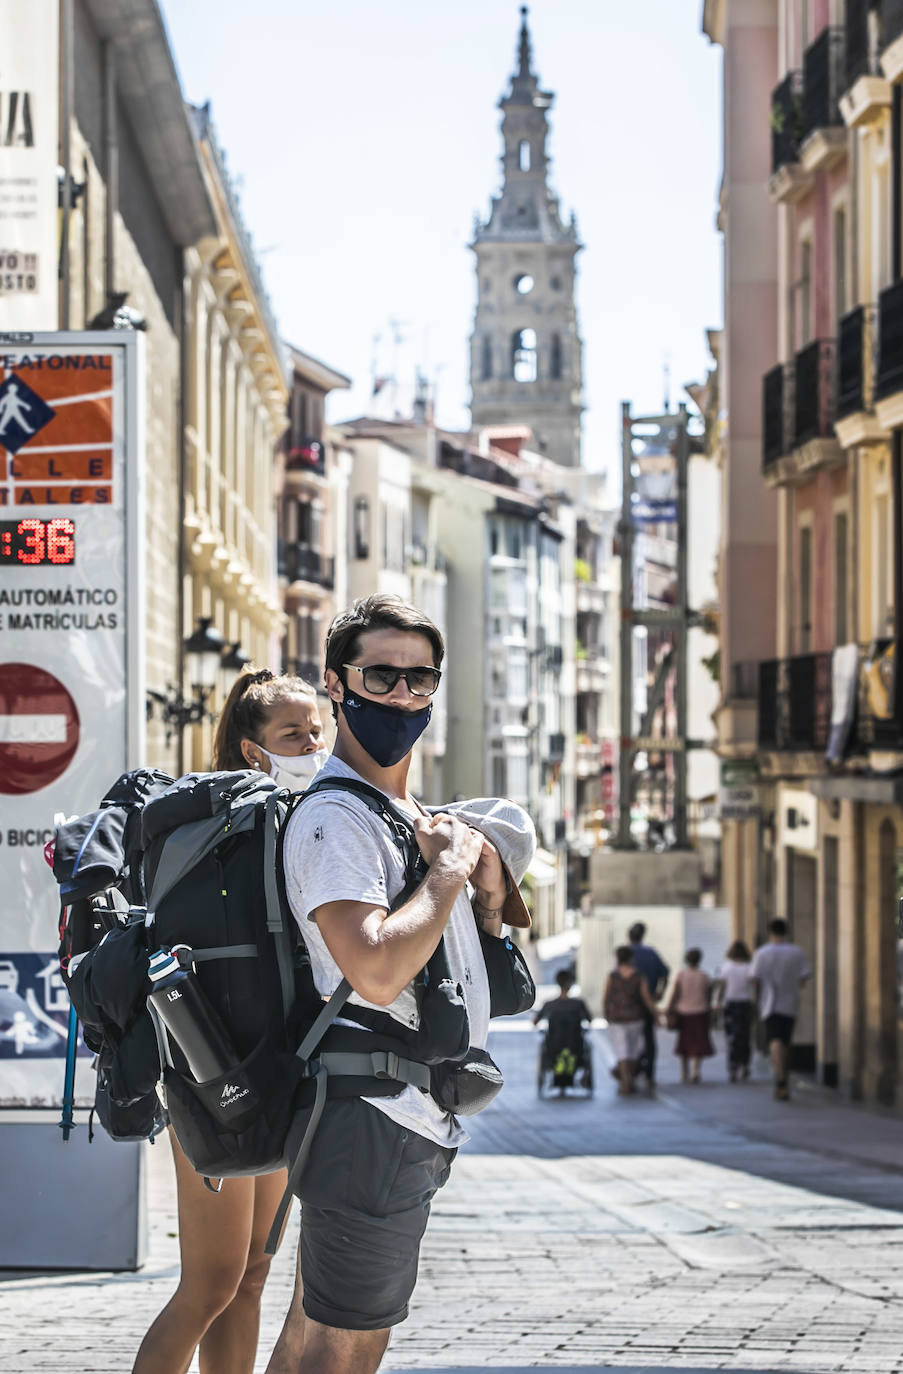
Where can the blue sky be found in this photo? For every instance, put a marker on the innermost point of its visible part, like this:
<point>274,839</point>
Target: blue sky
<point>364,137</point>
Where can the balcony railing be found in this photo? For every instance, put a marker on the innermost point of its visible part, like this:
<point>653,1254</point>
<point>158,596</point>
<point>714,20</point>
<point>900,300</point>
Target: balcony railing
<point>876,724</point>
<point>891,21</point>
<point>300,563</point>
<point>823,73</point>
<point>778,387</point>
<point>814,398</point>
<point>795,703</point>
<point>308,456</point>
<point>859,57</point>
<point>890,341</point>
<point>556,747</point>
<point>744,681</point>
<point>786,120</point>
<point>856,346</point>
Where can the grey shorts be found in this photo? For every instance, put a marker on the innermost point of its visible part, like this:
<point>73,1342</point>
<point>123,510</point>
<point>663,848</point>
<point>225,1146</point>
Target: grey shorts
<point>365,1199</point>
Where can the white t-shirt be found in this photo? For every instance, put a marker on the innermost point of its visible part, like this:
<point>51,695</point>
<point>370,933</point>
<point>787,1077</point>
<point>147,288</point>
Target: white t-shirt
<point>337,849</point>
<point>778,968</point>
<point>737,979</point>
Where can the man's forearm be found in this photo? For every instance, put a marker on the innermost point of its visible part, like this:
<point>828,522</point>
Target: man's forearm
<point>402,941</point>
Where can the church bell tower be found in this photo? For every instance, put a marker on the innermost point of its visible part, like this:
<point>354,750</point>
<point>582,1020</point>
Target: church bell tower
<point>525,350</point>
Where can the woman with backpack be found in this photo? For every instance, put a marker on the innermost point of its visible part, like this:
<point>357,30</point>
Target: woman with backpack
<point>625,1002</point>
<point>272,724</point>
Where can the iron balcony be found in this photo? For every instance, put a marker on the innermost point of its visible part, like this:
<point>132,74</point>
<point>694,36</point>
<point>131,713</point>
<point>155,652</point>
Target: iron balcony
<point>795,703</point>
<point>823,76</point>
<point>300,563</point>
<point>856,360</point>
<point>814,393</point>
<point>786,120</point>
<point>890,341</point>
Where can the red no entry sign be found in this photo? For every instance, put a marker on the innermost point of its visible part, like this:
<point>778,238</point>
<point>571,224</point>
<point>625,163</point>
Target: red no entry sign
<point>38,728</point>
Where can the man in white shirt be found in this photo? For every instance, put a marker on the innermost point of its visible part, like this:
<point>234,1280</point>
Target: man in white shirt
<point>376,1163</point>
<point>780,970</point>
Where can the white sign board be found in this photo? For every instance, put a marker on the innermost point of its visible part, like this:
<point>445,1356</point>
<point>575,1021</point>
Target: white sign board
<point>29,137</point>
<point>71,650</point>
<point>739,797</point>
<point>797,819</point>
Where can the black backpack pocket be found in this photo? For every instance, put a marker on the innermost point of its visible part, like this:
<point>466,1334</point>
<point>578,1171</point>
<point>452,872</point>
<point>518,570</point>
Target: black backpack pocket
<point>511,988</point>
<point>468,1086</point>
<point>235,1124</point>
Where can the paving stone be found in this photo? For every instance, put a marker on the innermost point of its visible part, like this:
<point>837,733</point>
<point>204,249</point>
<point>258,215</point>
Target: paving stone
<point>700,1229</point>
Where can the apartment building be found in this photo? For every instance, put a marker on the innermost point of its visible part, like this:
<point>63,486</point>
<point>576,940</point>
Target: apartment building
<point>312,502</point>
<point>135,202</point>
<point>236,397</point>
<point>823,849</point>
<point>392,545</point>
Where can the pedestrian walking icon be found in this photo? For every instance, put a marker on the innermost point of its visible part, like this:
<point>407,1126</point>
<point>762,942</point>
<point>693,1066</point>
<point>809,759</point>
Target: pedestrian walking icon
<point>22,413</point>
<point>13,408</point>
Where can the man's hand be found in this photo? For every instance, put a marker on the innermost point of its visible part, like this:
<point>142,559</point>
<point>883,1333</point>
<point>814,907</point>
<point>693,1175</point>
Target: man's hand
<point>488,877</point>
<point>446,842</point>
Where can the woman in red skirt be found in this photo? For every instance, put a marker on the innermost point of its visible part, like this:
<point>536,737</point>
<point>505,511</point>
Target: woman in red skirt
<point>690,1003</point>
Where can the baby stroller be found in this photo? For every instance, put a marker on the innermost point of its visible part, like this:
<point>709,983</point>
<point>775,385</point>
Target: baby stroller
<point>565,1054</point>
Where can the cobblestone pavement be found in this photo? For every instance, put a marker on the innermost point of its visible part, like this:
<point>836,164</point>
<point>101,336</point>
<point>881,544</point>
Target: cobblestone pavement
<point>707,1227</point>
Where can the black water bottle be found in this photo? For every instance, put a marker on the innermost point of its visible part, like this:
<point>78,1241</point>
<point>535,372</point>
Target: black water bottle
<point>179,1001</point>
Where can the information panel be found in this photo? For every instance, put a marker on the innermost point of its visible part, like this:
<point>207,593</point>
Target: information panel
<point>29,138</point>
<point>71,650</point>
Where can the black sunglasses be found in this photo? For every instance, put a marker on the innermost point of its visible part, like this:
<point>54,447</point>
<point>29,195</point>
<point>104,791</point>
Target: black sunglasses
<point>380,678</point>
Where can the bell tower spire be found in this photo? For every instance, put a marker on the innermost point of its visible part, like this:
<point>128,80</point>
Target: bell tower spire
<point>525,70</point>
<point>525,348</point>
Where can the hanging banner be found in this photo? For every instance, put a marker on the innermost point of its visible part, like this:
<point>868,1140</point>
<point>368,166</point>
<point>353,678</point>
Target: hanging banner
<point>29,137</point>
<point>71,650</point>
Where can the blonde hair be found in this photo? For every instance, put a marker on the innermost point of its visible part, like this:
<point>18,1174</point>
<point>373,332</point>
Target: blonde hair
<point>244,715</point>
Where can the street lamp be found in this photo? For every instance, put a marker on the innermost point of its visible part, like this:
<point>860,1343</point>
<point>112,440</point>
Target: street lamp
<point>206,656</point>
<point>231,664</point>
<point>203,651</point>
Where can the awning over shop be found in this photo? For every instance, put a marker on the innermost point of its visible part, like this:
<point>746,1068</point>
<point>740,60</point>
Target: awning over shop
<point>543,869</point>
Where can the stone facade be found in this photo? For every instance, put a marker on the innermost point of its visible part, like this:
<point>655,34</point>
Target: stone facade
<point>235,413</point>
<point>128,228</point>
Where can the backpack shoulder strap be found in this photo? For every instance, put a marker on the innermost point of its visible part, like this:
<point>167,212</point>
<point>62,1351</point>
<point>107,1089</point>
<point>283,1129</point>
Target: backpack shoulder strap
<point>400,826</point>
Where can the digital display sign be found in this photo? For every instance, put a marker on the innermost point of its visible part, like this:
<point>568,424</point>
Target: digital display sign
<point>31,542</point>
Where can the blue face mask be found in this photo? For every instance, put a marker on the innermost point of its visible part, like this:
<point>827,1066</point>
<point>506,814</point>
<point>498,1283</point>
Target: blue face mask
<point>386,733</point>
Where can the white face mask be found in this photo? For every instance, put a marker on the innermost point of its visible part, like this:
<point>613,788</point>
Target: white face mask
<point>295,771</point>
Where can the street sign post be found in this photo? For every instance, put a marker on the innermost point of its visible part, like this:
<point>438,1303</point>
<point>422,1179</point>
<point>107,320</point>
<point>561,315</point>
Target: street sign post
<point>71,634</point>
<point>71,720</point>
<point>739,797</point>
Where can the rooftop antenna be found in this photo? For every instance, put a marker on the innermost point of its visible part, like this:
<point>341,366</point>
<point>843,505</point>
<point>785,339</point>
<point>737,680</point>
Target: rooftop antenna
<point>666,375</point>
<point>397,340</point>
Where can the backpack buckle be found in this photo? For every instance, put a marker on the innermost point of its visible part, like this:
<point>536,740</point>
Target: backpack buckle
<point>385,1064</point>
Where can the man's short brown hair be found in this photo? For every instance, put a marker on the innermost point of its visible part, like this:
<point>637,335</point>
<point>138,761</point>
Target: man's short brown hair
<point>381,611</point>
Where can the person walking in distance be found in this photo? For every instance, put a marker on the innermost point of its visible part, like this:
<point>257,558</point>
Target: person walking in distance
<point>376,1163</point>
<point>734,986</point>
<point>690,1002</point>
<point>780,970</point>
<point>655,971</point>
<point>272,724</point>
<point>625,1002</point>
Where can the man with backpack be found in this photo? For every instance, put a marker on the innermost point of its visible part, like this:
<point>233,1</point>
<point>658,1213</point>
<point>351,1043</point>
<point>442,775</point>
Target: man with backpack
<point>376,1162</point>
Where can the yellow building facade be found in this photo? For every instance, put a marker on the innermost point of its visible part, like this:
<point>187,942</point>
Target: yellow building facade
<point>236,395</point>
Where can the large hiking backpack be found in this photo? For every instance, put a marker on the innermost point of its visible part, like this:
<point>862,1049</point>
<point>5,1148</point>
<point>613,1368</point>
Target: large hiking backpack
<point>206,857</point>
